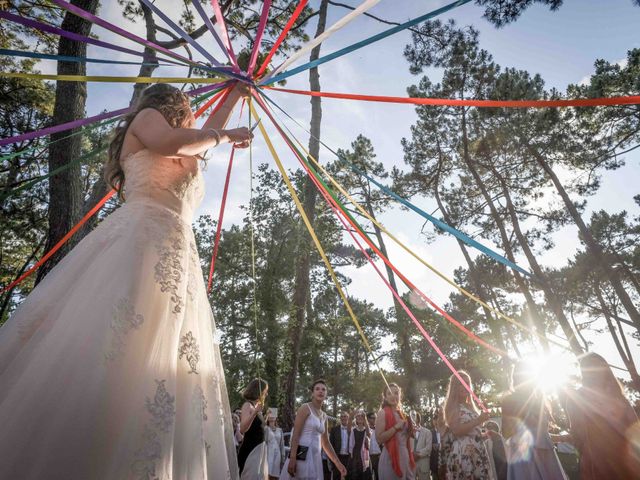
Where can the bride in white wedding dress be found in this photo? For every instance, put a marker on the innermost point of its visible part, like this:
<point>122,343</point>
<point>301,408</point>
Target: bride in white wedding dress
<point>111,368</point>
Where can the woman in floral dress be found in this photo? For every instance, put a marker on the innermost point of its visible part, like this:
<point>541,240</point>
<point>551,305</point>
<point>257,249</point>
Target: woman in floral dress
<point>468,458</point>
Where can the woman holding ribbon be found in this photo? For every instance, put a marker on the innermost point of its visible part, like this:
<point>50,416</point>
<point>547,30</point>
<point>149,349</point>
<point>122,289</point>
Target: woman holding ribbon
<point>110,368</point>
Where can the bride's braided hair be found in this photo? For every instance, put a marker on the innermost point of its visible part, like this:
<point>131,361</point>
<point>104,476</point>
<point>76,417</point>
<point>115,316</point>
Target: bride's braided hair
<point>169,101</point>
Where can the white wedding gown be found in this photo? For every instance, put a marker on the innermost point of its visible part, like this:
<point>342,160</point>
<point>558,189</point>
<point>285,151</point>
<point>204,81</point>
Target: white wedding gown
<point>111,367</point>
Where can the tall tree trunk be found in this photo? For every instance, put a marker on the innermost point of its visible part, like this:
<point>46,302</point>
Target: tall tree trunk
<point>552,299</point>
<point>303,264</point>
<point>626,359</point>
<point>65,189</point>
<point>506,243</point>
<point>592,245</point>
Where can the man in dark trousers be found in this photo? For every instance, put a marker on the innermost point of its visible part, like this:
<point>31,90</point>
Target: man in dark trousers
<point>374,447</point>
<point>339,438</point>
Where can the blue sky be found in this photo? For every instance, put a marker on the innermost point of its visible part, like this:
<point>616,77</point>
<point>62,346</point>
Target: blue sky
<point>561,46</point>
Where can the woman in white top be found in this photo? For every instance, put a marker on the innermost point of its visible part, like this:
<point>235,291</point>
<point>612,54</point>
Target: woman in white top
<point>275,446</point>
<point>309,438</point>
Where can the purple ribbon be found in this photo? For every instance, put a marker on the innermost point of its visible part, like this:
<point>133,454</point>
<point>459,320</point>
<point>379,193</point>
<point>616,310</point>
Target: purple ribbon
<point>86,121</point>
<point>179,31</point>
<point>109,26</point>
<point>209,24</point>
<point>58,31</point>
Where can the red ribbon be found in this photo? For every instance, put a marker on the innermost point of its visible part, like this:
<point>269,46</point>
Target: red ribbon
<point>60,243</point>
<point>283,35</point>
<point>585,102</point>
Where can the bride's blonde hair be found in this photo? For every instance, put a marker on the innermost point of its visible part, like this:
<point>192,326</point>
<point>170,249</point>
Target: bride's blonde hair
<point>169,101</point>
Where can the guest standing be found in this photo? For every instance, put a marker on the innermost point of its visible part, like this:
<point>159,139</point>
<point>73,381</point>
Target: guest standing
<point>275,446</point>
<point>374,447</point>
<point>600,418</point>
<point>497,454</point>
<point>339,437</point>
<point>422,450</point>
<point>360,468</point>
<point>394,431</point>
<point>252,455</point>
<point>309,438</point>
<point>525,425</point>
<point>468,458</point>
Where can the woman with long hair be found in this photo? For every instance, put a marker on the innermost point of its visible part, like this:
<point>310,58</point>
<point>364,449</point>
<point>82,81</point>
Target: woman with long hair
<point>601,419</point>
<point>525,425</point>
<point>309,438</point>
<point>467,457</point>
<point>359,468</point>
<point>252,455</point>
<point>394,430</point>
<point>109,368</point>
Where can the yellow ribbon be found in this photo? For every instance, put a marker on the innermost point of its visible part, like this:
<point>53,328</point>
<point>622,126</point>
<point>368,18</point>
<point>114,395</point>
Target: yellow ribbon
<point>312,232</point>
<point>416,256</point>
<point>104,78</point>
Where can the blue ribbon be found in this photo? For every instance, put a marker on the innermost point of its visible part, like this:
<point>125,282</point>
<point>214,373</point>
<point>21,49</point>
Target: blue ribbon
<point>438,223</point>
<point>67,58</point>
<point>363,43</point>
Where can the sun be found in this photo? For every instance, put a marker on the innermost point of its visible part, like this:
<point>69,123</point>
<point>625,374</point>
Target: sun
<point>550,371</point>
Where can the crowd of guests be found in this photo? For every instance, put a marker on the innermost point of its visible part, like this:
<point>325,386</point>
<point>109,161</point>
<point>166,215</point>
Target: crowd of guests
<point>460,442</point>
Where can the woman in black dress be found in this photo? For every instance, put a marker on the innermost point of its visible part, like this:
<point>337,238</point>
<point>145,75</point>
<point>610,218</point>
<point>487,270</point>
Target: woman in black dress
<point>360,434</point>
<point>252,456</point>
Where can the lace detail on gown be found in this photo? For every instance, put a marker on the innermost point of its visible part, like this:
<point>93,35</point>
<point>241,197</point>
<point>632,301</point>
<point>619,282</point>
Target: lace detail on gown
<point>111,368</point>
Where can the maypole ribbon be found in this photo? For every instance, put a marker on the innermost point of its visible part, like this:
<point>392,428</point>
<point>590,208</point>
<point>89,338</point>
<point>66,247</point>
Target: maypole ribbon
<point>210,102</point>
<point>322,187</point>
<point>52,173</point>
<point>277,76</point>
<point>316,241</point>
<point>452,102</point>
<point>348,18</point>
<point>450,281</point>
<point>88,120</point>
<point>108,79</point>
<point>417,323</point>
<point>43,27</point>
<point>69,58</point>
<point>266,4</point>
<point>22,152</point>
<point>282,36</point>
<point>115,29</point>
<point>225,33</point>
<point>62,241</point>
<point>185,36</point>
<point>207,21</point>
<point>404,306</point>
<point>225,192</point>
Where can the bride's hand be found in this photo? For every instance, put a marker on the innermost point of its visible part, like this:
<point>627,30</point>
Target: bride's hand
<point>240,137</point>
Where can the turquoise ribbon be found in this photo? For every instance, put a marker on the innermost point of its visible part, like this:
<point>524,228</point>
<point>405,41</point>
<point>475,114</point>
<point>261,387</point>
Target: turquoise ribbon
<point>438,223</point>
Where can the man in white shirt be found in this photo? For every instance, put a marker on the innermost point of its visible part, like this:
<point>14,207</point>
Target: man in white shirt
<point>374,448</point>
<point>339,438</point>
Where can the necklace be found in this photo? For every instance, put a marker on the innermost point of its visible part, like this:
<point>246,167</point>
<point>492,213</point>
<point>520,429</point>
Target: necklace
<point>318,412</point>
